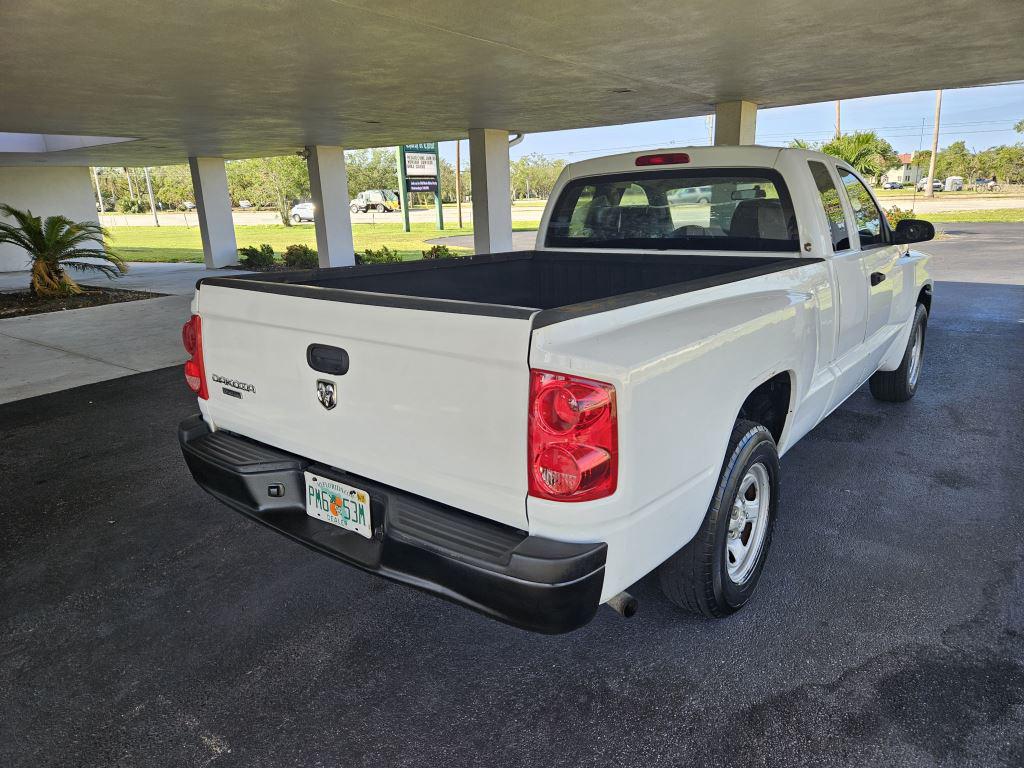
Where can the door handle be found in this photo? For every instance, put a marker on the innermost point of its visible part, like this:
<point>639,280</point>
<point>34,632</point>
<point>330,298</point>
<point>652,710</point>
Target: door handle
<point>325,359</point>
<point>877,277</point>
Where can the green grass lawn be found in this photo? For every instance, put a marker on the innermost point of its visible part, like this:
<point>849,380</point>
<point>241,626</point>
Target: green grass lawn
<point>908,191</point>
<point>183,243</point>
<point>998,214</point>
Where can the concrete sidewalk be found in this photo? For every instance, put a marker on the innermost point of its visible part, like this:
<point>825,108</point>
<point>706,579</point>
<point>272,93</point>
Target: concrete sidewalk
<point>178,279</point>
<point>58,350</point>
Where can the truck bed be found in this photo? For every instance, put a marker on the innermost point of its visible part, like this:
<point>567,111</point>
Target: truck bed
<point>560,284</point>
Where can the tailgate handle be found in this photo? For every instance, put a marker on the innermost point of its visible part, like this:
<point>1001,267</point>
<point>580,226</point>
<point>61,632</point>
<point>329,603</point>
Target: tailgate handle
<point>332,360</point>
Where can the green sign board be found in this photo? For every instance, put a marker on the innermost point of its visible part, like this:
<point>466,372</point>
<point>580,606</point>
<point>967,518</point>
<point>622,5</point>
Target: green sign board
<point>418,172</point>
<point>430,146</point>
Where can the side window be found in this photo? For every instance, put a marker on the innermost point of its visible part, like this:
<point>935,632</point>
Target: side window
<point>832,205</point>
<point>865,212</point>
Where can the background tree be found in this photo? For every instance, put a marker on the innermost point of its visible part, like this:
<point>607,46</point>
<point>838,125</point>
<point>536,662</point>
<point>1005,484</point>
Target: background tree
<point>1005,163</point>
<point>270,181</point>
<point>375,168</point>
<point>956,160</point>
<point>534,175</point>
<point>1019,126</point>
<point>172,185</point>
<point>922,160</point>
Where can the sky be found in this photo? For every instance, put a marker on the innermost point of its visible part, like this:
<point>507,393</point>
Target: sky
<point>983,117</point>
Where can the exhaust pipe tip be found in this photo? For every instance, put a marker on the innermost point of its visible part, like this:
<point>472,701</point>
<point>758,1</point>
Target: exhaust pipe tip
<point>624,604</point>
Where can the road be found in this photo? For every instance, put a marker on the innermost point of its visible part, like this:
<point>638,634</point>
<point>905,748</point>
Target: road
<point>243,218</point>
<point>146,624</point>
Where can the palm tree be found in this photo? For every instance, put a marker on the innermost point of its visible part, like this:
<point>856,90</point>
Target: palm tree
<point>868,153</point>
<point>56,243</point>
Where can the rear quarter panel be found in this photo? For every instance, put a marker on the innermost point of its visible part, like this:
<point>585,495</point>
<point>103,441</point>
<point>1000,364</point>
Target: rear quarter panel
<point>682,367</point>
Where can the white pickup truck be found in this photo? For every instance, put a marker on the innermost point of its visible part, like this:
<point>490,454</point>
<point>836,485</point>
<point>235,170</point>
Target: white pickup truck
<point>530,433</point>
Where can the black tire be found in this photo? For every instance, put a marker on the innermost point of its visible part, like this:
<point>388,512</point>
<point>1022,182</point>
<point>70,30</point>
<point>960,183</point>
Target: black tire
<point>381,208</point>
<point>900,385</point>
<point>296,218</point>
<point>697,576</point>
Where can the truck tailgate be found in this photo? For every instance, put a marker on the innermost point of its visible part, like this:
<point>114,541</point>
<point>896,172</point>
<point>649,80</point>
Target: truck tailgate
<point>433,402</point>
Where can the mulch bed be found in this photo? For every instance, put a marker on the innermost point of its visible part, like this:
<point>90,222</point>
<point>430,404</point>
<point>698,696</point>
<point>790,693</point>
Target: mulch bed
<point>24,303</point>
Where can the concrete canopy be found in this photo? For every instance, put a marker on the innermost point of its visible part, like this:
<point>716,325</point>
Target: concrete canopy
<point>232,79</point>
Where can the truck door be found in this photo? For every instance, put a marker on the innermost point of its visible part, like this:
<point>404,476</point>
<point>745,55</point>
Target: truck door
<point>878,256</point>
<point>847,272</point>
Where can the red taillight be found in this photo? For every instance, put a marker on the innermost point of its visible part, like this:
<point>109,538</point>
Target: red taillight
<point>666,158</point>
<point>195,373</point>
<point>189,336</point>
<point>573,438</point>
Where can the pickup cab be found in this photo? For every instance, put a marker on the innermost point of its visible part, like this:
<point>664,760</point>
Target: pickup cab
<point>530,433</point>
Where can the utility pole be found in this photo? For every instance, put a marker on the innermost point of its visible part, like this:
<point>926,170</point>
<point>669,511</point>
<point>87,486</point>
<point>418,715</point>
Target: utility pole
<point>839,131</point>
<point>458,177</point>
<point>930,192</point>
<point>152,200</point>
<point>99,194</point>
<point>709,123</point>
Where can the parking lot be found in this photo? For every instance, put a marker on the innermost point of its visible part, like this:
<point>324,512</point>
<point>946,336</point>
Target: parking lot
<point>146,624</point>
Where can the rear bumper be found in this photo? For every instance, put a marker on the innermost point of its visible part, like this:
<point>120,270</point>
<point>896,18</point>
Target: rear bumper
<point>528,581</point>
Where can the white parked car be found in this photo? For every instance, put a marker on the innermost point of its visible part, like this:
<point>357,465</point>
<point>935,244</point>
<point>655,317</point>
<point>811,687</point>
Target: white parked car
<point>530,433</point>
<point>244,204</point>
<point>302,212</point>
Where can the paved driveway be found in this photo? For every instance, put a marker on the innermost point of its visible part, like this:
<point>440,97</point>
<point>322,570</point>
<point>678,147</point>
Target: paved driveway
<point>145,624</point>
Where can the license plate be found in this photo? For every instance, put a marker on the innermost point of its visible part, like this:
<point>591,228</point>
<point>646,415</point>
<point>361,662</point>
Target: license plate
<point>338,504</point>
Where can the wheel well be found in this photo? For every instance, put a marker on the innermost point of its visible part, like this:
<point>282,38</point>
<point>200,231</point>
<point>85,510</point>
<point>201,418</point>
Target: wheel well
<point>769,404</point>
<point>925,297</point>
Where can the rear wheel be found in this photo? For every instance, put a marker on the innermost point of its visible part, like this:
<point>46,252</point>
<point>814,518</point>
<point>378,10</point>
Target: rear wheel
<point>716,573</point>
<point>296,218</point>
<point>900,385</point>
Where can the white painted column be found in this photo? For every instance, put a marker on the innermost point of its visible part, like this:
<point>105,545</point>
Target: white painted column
<point>735,123</point>
<point>492,199</point>
<point>328,183</point>
<point>213,204</point>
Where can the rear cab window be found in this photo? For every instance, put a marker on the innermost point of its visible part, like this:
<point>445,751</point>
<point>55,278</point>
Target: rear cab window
<point>743,209</point>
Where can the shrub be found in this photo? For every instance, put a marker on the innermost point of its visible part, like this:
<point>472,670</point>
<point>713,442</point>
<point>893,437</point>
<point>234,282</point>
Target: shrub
<point>252,257</point>
<point>438,252</point>
<point>383,256</point>
<point>896,214</point>
<point>127,205</point>
<point>301,256</point>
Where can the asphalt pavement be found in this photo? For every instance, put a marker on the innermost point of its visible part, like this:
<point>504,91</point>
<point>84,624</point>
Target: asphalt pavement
<point>143,623</point>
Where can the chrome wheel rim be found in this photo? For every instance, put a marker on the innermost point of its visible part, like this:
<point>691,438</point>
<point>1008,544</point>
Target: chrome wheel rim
<point>748,524</point>
<point>916,354</point>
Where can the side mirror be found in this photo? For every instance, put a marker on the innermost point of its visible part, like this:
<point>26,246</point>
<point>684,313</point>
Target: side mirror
<point>914,231</point>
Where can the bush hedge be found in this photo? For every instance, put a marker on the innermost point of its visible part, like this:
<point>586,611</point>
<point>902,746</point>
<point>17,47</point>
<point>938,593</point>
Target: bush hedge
<point>252,257</point>
<point>301,256</point>
<point>384,255</point>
